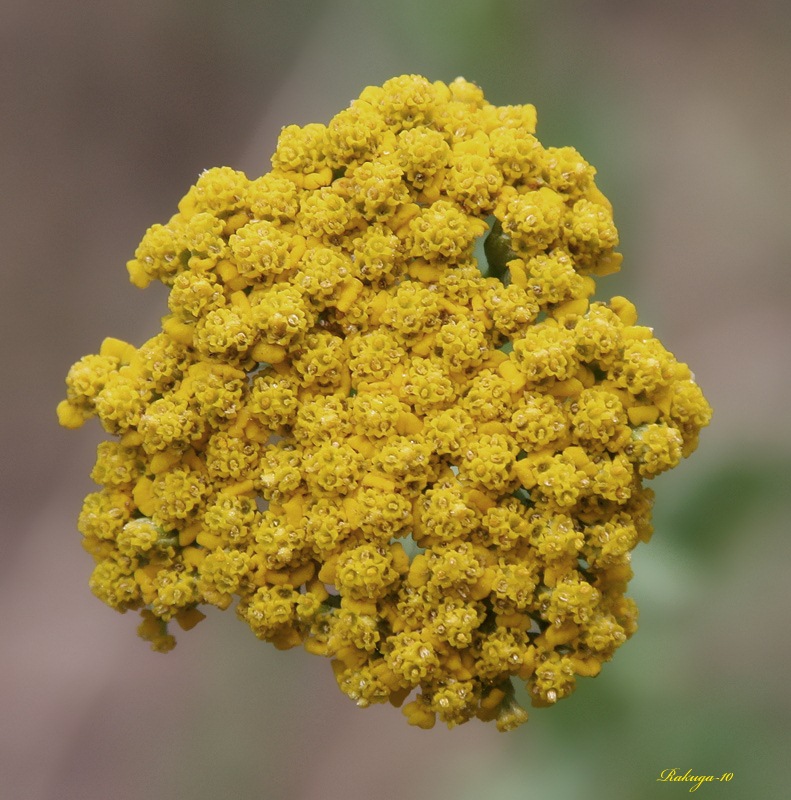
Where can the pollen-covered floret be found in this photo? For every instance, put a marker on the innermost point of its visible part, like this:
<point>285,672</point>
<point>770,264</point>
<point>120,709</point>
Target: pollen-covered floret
<point>547,350</point>
<point>445,514</point>
<point>533,219</point>
<point>280,314</point>
<point>169,421</point>
<point>104,513</point>
<point>225,333</point>
<point>383,416</point>
<point>377,256</point>
<point>262,251</point>
<point>273,399</point>
<point>444,232</point>
<point>422,153</point>
<point>195,293</point>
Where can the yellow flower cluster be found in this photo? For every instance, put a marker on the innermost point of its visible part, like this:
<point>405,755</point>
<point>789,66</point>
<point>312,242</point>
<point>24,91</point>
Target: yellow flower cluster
<point>420,462</point>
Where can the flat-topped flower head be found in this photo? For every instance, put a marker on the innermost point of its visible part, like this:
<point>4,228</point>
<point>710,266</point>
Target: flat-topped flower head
<point>427,467</point>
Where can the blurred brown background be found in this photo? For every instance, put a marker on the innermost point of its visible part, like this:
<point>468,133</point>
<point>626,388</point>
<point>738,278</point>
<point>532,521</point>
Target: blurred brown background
<point>108,112</point>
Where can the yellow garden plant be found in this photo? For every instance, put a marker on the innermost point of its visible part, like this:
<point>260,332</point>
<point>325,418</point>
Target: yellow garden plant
<point>421,458</point>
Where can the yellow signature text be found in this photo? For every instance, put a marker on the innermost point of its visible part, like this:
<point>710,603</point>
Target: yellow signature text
<point>675,774</point>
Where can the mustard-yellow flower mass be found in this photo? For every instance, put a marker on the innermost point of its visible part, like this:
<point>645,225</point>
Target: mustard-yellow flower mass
<point>421,458</point>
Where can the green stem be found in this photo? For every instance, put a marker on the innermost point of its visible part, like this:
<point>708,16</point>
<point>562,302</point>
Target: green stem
<point>497,247</point>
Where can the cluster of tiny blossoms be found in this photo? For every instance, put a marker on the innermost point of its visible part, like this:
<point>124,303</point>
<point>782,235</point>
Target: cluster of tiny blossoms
<point>426,468</point>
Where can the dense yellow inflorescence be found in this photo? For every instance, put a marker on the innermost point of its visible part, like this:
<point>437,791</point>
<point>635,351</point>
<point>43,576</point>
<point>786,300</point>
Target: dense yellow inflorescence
<point>426,468</point>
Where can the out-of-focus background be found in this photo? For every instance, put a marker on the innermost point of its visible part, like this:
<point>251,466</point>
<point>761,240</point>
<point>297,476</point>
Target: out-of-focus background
<point>108,112</point>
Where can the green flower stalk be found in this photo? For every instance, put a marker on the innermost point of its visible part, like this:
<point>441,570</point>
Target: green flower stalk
<point>426,469</point>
